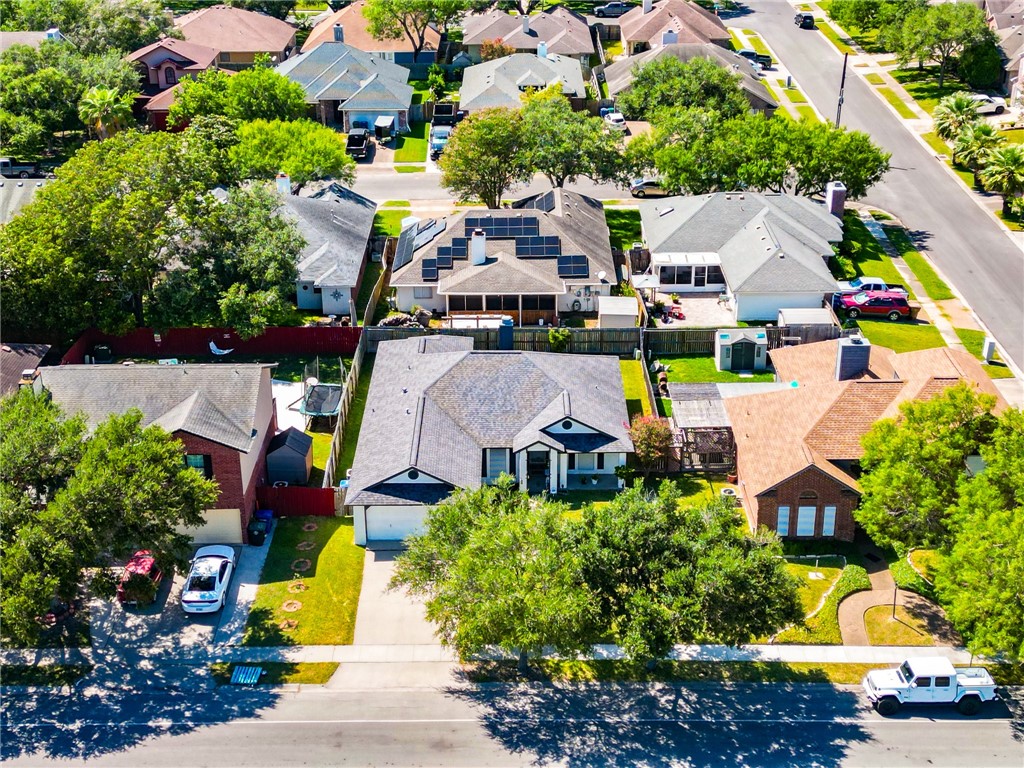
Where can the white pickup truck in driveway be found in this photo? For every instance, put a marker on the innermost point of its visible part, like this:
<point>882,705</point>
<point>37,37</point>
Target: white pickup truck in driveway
<point>929,680</point>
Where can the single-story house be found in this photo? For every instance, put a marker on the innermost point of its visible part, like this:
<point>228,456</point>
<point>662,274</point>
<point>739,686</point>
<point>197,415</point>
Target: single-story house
<point>336,224</point>
<point>222,413</point>
<point>1002,14</point>
<point>350,25</point>
<point>30,38</point>
<point>1010,42</point>
<point>502,82</point>
<point>238,35</point>
<point>644,26</point>
<point>763,252</point>
<point>562,30</point>
<point>798,448</point>
<point>18,362</point>
<point>166,62</point>
<point>619,74</point>
<point>548,255</point>
<point>344,86</point>
<point>441,416</point>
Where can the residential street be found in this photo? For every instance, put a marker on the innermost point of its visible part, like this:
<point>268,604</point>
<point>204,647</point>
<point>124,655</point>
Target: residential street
<point>579,725</point>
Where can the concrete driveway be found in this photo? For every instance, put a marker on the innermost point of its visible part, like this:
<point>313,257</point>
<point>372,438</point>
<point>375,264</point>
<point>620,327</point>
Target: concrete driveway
<point>388,618</point>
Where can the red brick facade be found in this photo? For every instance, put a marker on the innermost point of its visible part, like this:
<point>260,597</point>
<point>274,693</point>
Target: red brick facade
<point>810,487</point>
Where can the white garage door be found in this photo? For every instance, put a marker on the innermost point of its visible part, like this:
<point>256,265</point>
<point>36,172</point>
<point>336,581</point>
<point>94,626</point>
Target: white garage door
<point>393,523</point>
<point>223,526</point>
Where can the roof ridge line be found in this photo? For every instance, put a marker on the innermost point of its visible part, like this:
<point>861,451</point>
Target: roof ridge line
<point>414,448</point>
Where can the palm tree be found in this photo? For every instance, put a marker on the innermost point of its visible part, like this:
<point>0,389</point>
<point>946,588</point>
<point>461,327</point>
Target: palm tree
<point>953,113</point>
<point>1004,173</point>
<point>974,144</point>
<point>105,110</point>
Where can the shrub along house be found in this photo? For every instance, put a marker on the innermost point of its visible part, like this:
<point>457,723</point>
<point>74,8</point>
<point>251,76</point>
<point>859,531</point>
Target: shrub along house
<point>223,414</point>
<point>440,416</point>
<point>548,255</point>
<point>798,448</point>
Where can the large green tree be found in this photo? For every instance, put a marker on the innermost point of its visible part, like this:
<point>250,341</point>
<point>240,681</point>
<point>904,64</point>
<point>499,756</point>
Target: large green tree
<point>981,579</point>
<point>667,572</point>
<point>941,32</point>
<point>1004,173</point>
<point>121,488</point>
<point>953,113</point>
<point>94,26</point>
<point>257,93</point>
<point>912,466</point>
<point>564,144</point>
<point>105,110</point>
<point>669,83</point>
<point>487,155</point>
<point>305,150</point>
<point>395,19</point>
<point>974,144</point>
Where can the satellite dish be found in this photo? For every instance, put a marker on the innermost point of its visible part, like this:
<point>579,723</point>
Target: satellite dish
<point>312,381</point>
<point>602,275</point>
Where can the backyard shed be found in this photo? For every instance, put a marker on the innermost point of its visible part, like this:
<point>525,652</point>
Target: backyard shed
<point>618,312</point>
<point>290,457</point>
<point>741,349</point>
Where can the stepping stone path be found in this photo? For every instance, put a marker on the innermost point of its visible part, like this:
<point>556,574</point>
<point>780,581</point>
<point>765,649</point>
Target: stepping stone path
<point>301,565</point>
<point>305,546</point>
<point>291,606</point>
<point>311,526</point>
<point>288,625</point>
<point>297,586</point>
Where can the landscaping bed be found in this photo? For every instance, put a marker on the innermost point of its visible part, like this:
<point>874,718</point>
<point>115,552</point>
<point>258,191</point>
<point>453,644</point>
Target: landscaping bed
<point>813,590</point>
<point>823,627</point>
<point>280,672</point>
<point>907,578</point>
<point>309,589</point>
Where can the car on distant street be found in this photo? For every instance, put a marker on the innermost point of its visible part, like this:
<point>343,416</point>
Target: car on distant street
<point>612,9</point>
<point>888,304</point>
<point>988,105</point>
<point>140,579</point>
<point>615,121</point>
<point>804,20</point>
<point>206,587</point>
<point>763,59</point>
<point>647,188</point>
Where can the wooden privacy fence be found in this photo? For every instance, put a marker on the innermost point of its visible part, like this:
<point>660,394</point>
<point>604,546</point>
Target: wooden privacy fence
<point>348,393</point>
<point>588,341</point>
<point>195,342</point>
<point>701,341</point>
<point>297,501</point>
<point>386,259</point>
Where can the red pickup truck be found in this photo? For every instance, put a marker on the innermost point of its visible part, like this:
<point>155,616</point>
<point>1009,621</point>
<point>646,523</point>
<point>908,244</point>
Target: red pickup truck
<point>872,303</point>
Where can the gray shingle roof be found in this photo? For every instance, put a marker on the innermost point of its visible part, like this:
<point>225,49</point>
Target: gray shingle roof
<point>15,358</point>
<point>435,405</point>
<point>690,22</point>
<point>577,220</point>
<point>217,402</point>
<point>766,242</point>
<point>498,83</point>
<point>292,439</point>
<point>564,31</point>
<point>336,224</point>
<point>339,72</point>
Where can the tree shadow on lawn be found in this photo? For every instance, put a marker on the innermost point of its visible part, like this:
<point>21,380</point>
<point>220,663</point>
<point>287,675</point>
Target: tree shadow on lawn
<point>662,724</point>
<point>120,706</point>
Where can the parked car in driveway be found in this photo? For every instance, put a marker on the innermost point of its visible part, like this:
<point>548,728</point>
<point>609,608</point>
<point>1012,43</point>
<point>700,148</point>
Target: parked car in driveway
<point>647,188</point>
<point>612,9</point>
<point>140,579</point>
<point>763,59</point>
<point>206,586</point>
<point>988,105</point>
<point>439,136</point>
<point>615,121</point>
<point>865,283</point>
<point>876,303</point>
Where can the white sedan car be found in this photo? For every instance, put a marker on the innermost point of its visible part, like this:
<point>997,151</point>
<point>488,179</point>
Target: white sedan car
<point>206,586</point>
<point>989,105</point>
<point>615,121</point>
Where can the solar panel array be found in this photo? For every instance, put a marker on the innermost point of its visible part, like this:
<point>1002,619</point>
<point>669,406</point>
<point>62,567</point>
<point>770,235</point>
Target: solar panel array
<point>573,266</point>
<point>503,228</point>
<point>538,245</point>
<point>428,270</point>
<point>457,249</point>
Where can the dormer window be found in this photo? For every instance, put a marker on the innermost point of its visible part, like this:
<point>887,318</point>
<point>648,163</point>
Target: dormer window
<point>170,76</point>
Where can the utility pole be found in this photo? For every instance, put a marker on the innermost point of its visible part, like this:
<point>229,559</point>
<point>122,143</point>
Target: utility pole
<point>842,87</point>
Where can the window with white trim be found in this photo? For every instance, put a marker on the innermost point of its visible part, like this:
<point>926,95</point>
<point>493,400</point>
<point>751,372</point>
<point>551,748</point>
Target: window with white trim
<point>782,523</point>
<point>423,292</point>
<point>828,523</point>
<point>805,519</point>
<point>586,462</point>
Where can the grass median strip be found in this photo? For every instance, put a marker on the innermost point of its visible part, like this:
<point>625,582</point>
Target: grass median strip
<point>841,43</point>
<point>974,341</point>
<point>808,113</point>
<point>897,103</point>
<point>925,272</point>
<point>874,78</point>
<point>410,169</point>
<point>43,674</point>
<point>280,672</point>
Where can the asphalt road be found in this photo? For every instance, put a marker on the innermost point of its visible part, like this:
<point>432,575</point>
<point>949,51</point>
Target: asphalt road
<point>655,725</point>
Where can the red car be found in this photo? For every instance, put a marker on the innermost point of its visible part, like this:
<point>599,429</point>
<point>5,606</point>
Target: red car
<point>142,565</point>
<point>887,303</point>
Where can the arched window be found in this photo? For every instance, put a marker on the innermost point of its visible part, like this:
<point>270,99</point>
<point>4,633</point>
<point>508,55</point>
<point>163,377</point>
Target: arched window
<point>170,76</point>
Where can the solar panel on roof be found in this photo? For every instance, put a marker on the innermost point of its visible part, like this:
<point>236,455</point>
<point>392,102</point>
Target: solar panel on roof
<point>538,246</point>
<point>428,269</point>
<point>573,266</point>
<point>405,247</point>
<point>504,227</point>
<point>443,261</point>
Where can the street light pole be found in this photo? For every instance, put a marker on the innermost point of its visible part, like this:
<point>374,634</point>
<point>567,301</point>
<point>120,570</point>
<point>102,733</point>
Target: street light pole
<point>842,87</point>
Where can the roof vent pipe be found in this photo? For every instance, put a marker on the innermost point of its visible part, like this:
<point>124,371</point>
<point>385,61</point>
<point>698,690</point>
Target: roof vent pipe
<point>526,23</point>
<point>478,248</point>
<point>648,6</point>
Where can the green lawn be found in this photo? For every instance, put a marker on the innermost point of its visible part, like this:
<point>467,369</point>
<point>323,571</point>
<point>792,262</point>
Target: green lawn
<point>974,342</point>
<point>902,335</point>
<point>807,113</point>
<point>823,627</point>
<point>868,257</point>
<point>936,142</point>
<point>410,169</point>
<point>813,589</point>
<point>296,368</point>
<point>737,43</point>
<point>841,43</point>
<point>637,402</point>
<point>775,92</point>
<point>874,78</point>
<point>281,672</point>
<point>923,85</point>
<point>905,629</point>
<point>699,489</point>
<point>576,499</point>
<point>623,226</point>
<point>355,420</point>
<point>757,43</point>
<point>1013,135</point>
<point>897,103</point>
<point>664,407</point>
<point>371,275</point>
<point>1013,223</point>
<point>691,368</point>
<point>395,204</point>
<point>321,451</point>
<point>42,674</point>
<point>388,223</point>
<point>328,592</point>
<point>412,147</point>
<point>612,48</point>
<point>919,265</point>
<point>795,96</point>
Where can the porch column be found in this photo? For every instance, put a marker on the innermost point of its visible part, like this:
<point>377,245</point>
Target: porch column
<point>520,310</point>
<point>553,471</point>
<point>521,470</point>
<point>563,470</point>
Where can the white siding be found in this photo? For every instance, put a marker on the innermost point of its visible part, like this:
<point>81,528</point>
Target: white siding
<point>305,296</point>
<point>405,300</point>
<point>264,414</point>
<point>766,306</point>
<point>336,306</point>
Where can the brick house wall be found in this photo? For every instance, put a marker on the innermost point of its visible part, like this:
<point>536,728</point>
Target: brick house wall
<point>810,487</point>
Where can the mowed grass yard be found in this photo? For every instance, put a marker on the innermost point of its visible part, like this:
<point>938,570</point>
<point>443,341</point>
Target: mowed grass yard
<point>623,226</point>
<point>327,591</point>
<point>904,629</point>
<point>813,588</point>
<point>637,402</point>
<point>902,335</point>
<point>691,368</point>
<point>412,147</point>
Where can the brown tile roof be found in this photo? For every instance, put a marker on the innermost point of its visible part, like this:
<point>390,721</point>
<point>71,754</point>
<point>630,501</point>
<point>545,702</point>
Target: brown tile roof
<point>235,30</point>
<point>355,26</point>
<point>201,56</point>
<point>563,30</point>
<point>822,420</point>
<point>690,22</point>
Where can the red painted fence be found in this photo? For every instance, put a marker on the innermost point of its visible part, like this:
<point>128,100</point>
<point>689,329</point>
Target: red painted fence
<point>296,501</point>
<point>195,342</point>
